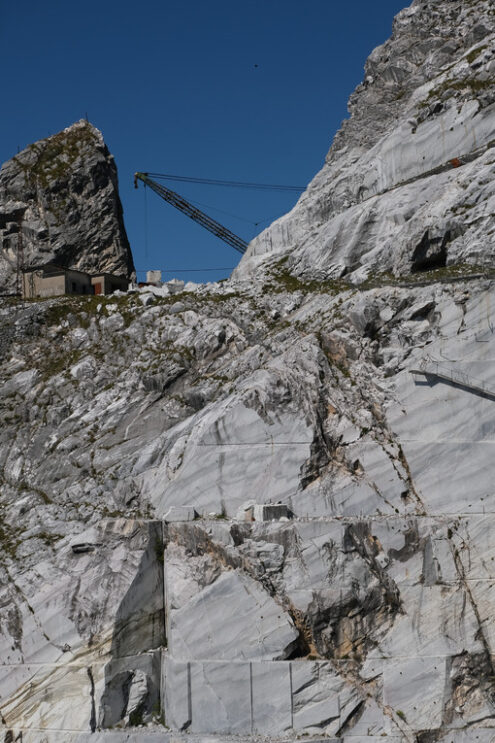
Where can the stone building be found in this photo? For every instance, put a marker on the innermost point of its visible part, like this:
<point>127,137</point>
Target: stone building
<point>52,280</point>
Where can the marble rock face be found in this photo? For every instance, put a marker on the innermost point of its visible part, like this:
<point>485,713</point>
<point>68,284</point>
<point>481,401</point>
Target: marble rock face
<point>391,195</point>
<point>62,194</point>
<point>265,508</point>
<point>82,634</point>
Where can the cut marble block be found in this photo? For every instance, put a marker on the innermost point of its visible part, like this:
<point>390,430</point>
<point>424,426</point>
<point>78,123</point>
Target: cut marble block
<point>271,697</point>
<point>267,698</point>
<point>465,484</point>
<point>315,695</point>
<point>176,693</point>
<point>253,625</point>
<point>270,511</point>
<point>220,698</point>
<point>233,450</point>
<point>111,597</point>
<point>415,688</point>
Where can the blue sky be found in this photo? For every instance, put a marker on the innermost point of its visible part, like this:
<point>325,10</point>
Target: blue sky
<point>249,91</point>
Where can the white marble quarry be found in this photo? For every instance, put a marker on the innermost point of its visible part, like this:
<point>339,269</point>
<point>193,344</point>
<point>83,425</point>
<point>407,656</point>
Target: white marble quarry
<point>438,614</point>
<point>51,697</point>
<point>355,604</point>
<point>82,695</point>
<point>139,735</point>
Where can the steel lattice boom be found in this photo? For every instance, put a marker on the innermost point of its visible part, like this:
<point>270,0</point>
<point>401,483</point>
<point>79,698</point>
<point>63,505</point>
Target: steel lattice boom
<point>191,211</point>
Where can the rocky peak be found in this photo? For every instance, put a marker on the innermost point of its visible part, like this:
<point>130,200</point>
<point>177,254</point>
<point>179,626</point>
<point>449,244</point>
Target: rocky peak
<point>427,37</point>
<point>63,192</point>
<point>412,166</point>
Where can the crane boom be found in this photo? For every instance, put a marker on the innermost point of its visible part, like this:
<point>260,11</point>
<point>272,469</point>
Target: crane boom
<point>191,211</point>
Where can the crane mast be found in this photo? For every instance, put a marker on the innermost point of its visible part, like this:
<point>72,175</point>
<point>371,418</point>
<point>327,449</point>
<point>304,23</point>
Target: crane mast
<point>193,212</point>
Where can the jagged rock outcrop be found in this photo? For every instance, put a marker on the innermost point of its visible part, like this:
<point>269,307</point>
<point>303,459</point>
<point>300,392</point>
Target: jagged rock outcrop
<point>392,195</point>
<point>366,611</point>
<point>62,193</point>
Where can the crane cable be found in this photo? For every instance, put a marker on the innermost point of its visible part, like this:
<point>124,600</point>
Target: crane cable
<point>207,206</point>
<point>145,224</point>
<point>214,182</point>
<point>230,214</point>
<point>230,184</point>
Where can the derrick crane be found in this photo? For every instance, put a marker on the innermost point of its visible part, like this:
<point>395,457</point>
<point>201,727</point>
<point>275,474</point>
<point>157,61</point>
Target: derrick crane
<point>193,212</point>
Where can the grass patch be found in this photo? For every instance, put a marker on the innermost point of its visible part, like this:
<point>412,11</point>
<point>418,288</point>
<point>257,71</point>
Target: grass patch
<point>469,84</point>
<point>57,362</point>
<point>49,539</point>
<point>56,156</point>
<point>282,281</point>
<point>445,272</point>
<point>473,56</point>
<point>9,540</point>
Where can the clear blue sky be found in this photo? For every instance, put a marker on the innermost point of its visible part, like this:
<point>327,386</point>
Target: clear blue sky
<point>250,91</point>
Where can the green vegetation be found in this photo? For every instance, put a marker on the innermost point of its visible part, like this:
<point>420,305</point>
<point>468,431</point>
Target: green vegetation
<point>55,362</point>
<point>55,159</point>
<point>23,485</point>
<point>281,280</point>
<point>49,539</point>
<point>472,56</point>
<point>442,274</point>
<point>83,307</point>
<point>9,540</point>
<point>56,156</point>
<point>136,717</point>
<point>470,84</point>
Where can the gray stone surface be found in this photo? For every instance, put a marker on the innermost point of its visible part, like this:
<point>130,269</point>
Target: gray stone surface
<point>220,698</point>
<point>270,693</point>
<point>415,689</point>
<point>180,513</point>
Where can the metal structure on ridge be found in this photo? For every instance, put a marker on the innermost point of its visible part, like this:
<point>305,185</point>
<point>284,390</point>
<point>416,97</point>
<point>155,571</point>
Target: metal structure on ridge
<point>193,212</point>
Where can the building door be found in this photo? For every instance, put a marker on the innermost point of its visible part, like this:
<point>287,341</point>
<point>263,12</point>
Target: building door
<point>98,288</point>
